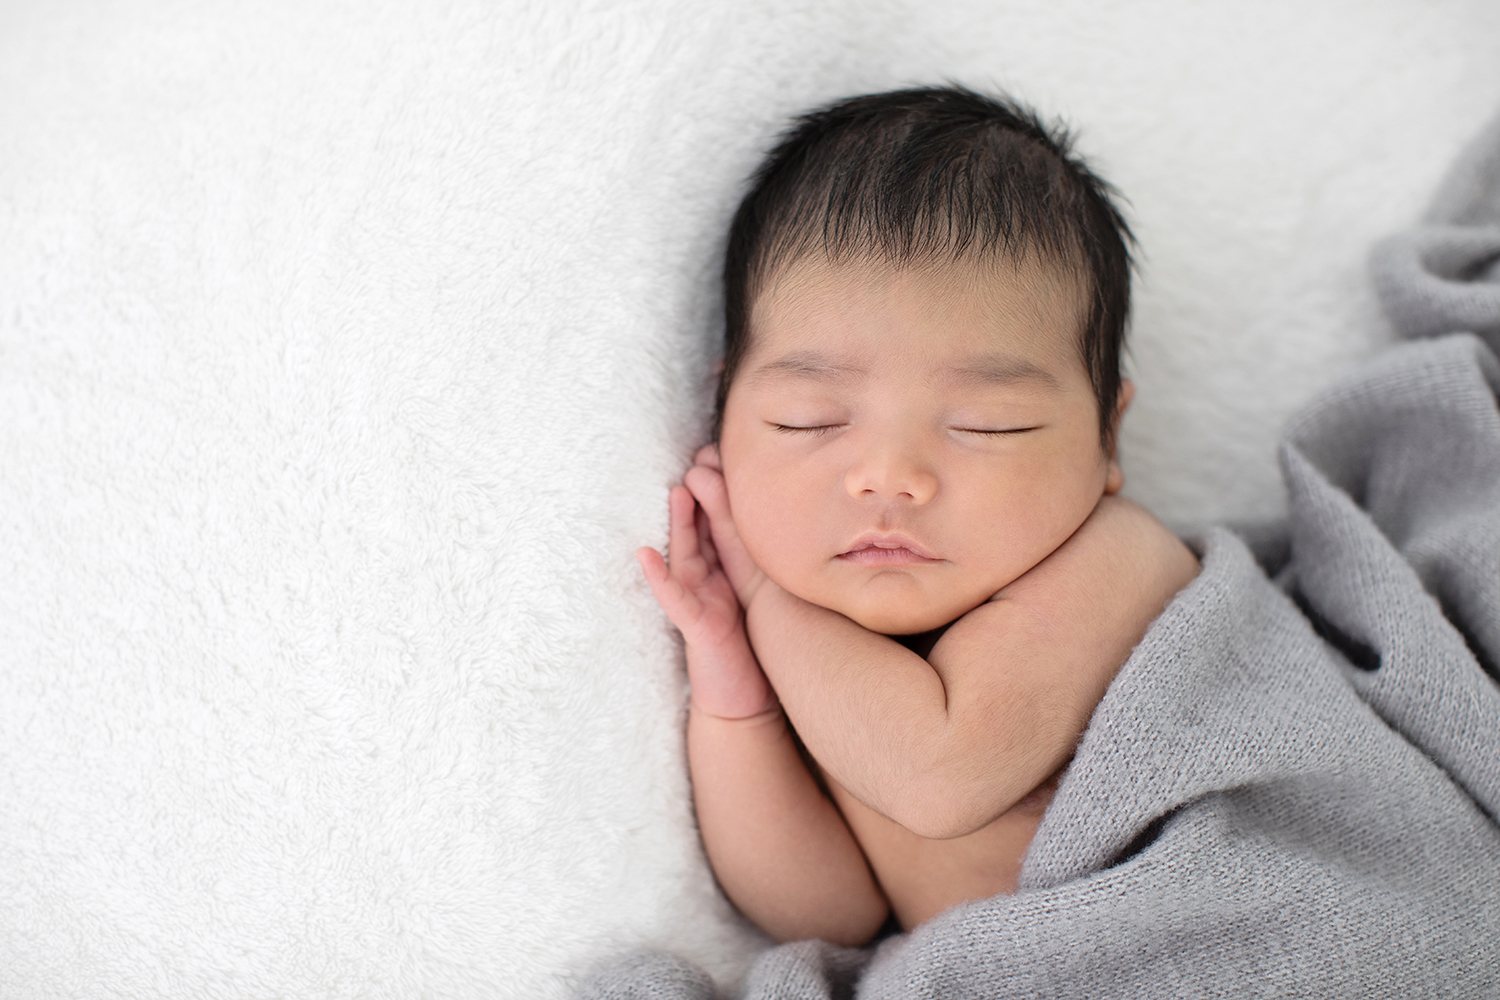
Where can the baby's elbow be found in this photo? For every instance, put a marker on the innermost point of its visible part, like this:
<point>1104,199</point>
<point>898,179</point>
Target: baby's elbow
<point>851,922</point>
<point>953,800</point>
<point>857,926</point>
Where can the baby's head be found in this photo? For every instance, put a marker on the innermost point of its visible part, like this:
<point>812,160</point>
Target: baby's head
<point>925,303</point>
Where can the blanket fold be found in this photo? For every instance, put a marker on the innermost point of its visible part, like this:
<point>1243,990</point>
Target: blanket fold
<point>1443,275</point>
<point>1292,786</point>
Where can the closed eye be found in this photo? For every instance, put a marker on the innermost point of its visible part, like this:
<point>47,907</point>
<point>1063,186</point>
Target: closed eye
<point>1000,432</point>
<point>817,430</point>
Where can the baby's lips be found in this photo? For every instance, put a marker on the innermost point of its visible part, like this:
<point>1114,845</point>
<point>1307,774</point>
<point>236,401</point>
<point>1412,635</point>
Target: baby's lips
<point>872,555</point>
<point>889,541</point>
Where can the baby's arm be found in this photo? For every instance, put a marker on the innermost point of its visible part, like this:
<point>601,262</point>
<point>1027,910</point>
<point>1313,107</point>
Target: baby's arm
<point>945,745</point>
<point>778,846</point>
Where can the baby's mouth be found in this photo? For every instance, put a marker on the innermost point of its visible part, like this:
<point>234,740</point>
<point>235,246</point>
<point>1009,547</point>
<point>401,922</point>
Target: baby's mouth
<point>886,550</point>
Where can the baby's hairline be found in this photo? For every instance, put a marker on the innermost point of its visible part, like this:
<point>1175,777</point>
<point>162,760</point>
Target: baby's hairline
<point>764,273</point>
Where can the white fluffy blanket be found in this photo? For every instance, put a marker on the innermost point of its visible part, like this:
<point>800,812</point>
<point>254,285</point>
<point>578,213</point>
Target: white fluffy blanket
<point>348,349</point>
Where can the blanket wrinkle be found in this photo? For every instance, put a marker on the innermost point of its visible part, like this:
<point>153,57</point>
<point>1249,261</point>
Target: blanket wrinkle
<point>1436,502</point>
<point>1321,827</point>
<point>1443,276</point>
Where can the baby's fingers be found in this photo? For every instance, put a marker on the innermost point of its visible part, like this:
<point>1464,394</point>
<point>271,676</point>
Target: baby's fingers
<point>707,486</point>
<point>709,455</point>
<point>675,599</point>
<point>708,489</point>
<point>683,548</point>
<point>652,565</point>
<point>705,538</point>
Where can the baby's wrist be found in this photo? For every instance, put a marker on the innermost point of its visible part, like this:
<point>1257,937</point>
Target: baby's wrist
<point>734,698</point>
<point>767,714</point>
<point>725,679</point>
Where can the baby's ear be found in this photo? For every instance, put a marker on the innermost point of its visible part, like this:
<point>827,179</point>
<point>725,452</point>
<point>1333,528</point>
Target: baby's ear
<point>1115,480</point>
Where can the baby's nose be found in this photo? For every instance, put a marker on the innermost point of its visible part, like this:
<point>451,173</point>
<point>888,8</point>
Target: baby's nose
<point>892,474</point>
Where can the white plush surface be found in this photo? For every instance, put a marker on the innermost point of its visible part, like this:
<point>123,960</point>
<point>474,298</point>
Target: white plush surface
<point>348,349</point>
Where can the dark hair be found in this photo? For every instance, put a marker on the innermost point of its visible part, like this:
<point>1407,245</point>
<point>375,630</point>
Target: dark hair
<point>912,176</point>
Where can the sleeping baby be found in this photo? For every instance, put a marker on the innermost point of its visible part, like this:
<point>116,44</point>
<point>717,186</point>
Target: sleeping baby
<point>904,574</point>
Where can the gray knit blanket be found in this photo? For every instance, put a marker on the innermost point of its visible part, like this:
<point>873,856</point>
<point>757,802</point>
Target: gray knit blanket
<point>1292,787</point>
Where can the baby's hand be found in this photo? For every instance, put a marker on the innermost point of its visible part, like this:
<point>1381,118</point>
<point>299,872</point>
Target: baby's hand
<point>706,481</point>
<point>697,596</point>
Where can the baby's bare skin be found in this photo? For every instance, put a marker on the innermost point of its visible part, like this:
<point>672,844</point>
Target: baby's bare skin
<point>922,876</point>
<point>905,450</point>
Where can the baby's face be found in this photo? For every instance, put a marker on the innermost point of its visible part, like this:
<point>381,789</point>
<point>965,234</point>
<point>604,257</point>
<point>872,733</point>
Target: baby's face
<point>899,445</point>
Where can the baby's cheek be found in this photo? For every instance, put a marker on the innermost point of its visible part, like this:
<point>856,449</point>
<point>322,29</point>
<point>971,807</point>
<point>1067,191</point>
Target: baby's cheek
<point>777,542</point>
<point>779,555</point>
<point>754,512</point>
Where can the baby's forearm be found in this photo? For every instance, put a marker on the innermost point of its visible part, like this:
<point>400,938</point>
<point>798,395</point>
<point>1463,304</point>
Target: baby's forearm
<point>873,713</point>
<point>942,746</point>
<point>778,846</point>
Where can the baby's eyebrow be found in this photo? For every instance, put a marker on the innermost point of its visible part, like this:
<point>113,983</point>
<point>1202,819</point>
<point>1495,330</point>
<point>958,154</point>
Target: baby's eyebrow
<point>1002,369</point>
<point>809,365</point>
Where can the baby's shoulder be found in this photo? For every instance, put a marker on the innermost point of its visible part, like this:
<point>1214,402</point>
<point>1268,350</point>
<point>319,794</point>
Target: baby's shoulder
<point>1110,577</point>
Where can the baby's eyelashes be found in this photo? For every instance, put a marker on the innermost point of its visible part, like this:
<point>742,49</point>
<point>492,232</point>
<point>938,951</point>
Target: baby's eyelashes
<point>813,430</point>
<point>817,430</point>
<point>995,431</point>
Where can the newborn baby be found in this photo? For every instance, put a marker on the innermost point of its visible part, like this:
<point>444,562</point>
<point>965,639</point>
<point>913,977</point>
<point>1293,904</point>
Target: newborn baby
<point>907,547</point>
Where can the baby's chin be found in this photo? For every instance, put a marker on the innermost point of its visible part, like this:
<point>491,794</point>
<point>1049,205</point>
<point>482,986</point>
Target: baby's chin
<point>898,617</point>
<point>898,622</point>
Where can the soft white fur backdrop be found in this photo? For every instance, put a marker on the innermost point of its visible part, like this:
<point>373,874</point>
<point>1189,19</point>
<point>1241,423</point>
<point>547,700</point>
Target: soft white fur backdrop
<point>347,349</point>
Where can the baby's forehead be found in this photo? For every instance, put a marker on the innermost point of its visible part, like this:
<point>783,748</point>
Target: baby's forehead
<point>1003,305</point>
